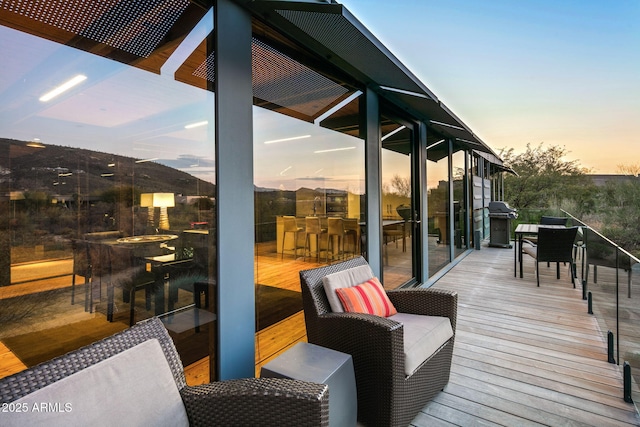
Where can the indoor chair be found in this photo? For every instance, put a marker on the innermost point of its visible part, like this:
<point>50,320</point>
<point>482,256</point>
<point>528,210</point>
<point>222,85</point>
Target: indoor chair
<point>81,267</point>
<point>312,228</point>
<point>352,233</point>
<point>335,234</point>
<point>290,226</point>
<point>128,273</point>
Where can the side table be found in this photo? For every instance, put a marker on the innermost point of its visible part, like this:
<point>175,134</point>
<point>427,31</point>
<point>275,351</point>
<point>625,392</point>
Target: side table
<point>310,362</point>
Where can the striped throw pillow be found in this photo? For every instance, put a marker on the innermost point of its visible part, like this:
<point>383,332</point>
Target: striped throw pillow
<point>368,297</point>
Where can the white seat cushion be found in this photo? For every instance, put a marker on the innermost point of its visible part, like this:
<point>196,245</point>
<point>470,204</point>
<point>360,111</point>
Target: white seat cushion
<point>133,388</point>
<point>530,250</point>
<point>344,279</point>
<point>423,335</point>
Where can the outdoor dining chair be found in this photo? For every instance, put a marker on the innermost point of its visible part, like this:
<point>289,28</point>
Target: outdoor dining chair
<point>550,220</point>
<point>554,245</point>
<point>553,220</point>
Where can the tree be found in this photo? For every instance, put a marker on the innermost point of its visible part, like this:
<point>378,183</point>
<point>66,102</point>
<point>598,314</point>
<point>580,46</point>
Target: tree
<point>633,169</point>
<point>400,186</point>
<point>619,209</point>
<point>546,180</point>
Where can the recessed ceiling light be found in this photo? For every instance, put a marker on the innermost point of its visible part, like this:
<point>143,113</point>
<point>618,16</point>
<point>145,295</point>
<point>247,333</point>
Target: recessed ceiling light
<point>63,88</point>
<point>285,170</point>
<point>146,160</point>
<point>35,143</point>
<point>197,124</point>
<point>334,149</point>
<point>293,138</point>
<point>393,132</point>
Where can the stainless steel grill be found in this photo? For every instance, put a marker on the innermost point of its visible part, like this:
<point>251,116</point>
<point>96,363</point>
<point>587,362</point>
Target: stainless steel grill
<point>500,216</point>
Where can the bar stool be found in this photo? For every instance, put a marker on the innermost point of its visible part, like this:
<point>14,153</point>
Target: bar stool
<point>352,231</point>
<point>312,227</point>
<point>290,225</point>
<point>335,229</point>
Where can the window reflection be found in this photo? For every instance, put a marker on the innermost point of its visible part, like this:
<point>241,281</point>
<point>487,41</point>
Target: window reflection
<point>108,200</point>
<point>397,204</point>
<point>438,206</point>
<point>460,189</point>
<point>309,208</point>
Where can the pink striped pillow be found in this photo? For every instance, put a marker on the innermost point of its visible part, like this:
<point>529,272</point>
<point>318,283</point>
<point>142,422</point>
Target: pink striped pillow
<point>368,297</point>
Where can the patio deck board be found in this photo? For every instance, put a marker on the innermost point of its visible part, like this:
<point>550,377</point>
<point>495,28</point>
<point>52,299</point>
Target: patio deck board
<point>546,367</point>
<point>465,402</point>
<point>525,355</point>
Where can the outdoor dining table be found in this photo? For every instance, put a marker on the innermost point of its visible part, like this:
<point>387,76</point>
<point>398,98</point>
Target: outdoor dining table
<point>521,231</point>
<point>148,249</point>
<point>147,239</point>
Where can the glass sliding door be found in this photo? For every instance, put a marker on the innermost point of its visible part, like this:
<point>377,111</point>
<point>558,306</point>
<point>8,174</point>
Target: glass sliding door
<point>309,184</point>
<point>398,205</point>
<point>438,206</point>
<point>460,210</point>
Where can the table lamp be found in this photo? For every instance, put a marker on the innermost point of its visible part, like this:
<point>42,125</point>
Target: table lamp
<point>163,201</point>
<point>146,201</point>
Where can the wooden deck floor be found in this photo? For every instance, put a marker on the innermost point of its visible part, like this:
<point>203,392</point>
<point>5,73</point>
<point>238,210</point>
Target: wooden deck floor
<point>525,355</point>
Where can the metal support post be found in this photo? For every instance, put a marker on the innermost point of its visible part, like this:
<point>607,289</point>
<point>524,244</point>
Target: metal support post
<point>627,382</point>
<point>610,357</point>
<point>590,303</point>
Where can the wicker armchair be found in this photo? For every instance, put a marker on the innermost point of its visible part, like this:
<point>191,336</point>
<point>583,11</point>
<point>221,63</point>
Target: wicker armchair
<point>252,401</point>
<point>386,396</point>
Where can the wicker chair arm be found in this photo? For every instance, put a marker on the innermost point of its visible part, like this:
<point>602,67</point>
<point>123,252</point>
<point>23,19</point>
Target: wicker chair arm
<point>257,401</point>
<point>428,302</point>
<point>377,340</point>
<point>352,326</point>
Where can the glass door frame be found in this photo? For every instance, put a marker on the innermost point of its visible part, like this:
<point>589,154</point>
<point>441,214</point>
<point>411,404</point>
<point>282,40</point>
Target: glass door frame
<point>417,200</point>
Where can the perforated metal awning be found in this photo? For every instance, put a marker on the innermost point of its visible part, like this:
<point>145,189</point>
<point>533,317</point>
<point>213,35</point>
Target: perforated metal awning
<point>331,31</point>
<point>144,33</point>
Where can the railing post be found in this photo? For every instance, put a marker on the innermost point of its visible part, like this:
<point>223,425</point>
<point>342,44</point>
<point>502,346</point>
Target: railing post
<point>610,357</point>
<point>590,303</point>
<point>627,382</point>
<point>584,289</point>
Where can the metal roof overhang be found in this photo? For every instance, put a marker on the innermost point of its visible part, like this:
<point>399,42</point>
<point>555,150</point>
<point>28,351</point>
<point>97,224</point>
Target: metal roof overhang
<point>331,31</point>
<point>503,168</point>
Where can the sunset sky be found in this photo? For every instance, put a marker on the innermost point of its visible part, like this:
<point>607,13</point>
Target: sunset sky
<point>558,72</point>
